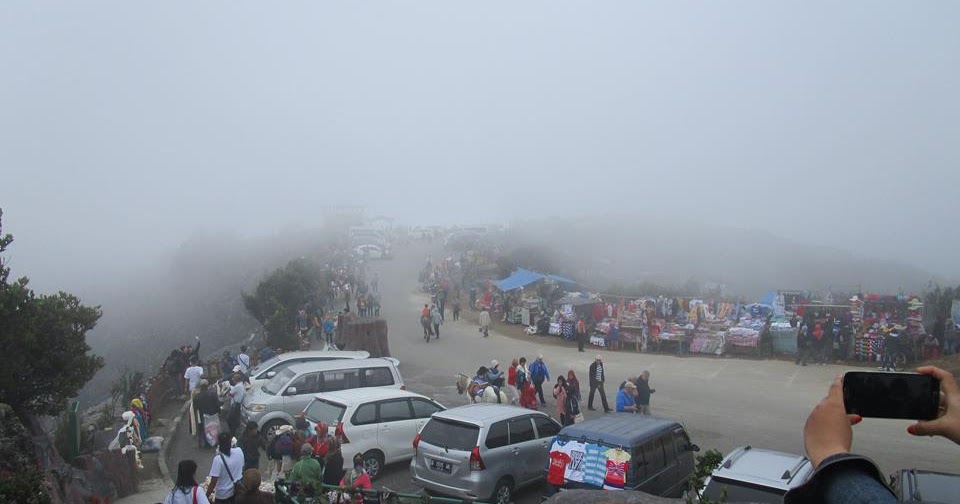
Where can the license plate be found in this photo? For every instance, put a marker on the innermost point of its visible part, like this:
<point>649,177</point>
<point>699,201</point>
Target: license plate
<point>439,465</point>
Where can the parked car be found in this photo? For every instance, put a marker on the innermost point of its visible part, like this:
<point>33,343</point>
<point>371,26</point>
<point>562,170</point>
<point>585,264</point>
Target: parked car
<point>750,474</point>
<point>482,451</point>
<point>379,423</point>
<point>916,486</point>
<point>267,369</point>
<point>283,397</point>
<point>623,451</point>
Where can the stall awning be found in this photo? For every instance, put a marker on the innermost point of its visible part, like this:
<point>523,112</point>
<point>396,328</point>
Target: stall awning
<point>519,278</point>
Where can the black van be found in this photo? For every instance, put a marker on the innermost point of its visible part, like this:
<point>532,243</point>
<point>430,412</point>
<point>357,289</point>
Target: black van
<point>622,451</point>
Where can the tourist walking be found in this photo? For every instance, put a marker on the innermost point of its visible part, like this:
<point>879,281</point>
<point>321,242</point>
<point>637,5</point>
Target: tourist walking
<point>436,316</point>
<point>485,322</point>
<point>560,393</point>
<point>539,374</point>
<point>597,378</point>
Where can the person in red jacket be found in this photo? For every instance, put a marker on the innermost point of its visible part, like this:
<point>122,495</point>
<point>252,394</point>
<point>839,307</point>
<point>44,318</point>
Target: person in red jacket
<point>357,479</point>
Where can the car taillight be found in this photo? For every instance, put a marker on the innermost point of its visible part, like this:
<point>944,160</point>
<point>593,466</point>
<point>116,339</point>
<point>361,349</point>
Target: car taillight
<point>340,435</point>
<point>403,387</point>
<point>416,441</point>
<point>476,463</point>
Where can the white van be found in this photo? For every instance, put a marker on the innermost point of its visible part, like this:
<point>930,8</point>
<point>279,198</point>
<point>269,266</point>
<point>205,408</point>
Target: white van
<point>283,397</point>
<point>378,423</point>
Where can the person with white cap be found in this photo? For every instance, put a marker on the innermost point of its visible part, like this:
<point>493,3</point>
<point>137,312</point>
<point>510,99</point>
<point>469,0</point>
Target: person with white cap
<point>539,374</point>
<point>626,398</point>
<point>494,375</point>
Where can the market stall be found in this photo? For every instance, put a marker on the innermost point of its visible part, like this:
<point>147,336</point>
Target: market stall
<point>884,316</point>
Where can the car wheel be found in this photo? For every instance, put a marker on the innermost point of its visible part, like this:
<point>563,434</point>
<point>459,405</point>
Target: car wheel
<point>373,463</point>
<point>503,493</point>
<point>271,428</point>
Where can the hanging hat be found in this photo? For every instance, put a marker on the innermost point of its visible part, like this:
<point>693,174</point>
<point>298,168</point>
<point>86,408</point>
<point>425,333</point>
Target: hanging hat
<point>494,363</point>
<point>855,299</point>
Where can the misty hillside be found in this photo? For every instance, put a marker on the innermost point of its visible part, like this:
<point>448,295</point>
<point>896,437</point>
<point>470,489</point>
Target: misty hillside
<point>622,250</point>
<point>194,291</point>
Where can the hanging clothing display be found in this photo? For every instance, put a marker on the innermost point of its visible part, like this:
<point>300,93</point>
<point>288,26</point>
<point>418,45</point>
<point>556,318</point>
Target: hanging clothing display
<point>617,463</point>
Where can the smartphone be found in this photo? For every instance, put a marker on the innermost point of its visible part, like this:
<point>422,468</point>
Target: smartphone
<point>907,396</point>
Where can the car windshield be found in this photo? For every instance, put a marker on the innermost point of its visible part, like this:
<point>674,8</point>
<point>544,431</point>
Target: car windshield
<point>276,384</point>
<point>321,410</point>
<point>935,487</point>
<point>263,366</point>
<point>740,491</point>
<point>450,435</point>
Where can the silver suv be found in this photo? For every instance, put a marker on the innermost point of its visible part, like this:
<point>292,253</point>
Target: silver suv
<point>285,395</point>
<point>482,451</point>
<point>750,474</point>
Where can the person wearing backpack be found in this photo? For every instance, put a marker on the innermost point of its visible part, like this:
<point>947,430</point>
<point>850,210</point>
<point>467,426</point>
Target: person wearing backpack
<point>186,490</point>
<point>226,471</point>
<point>539,374</point>
<point>280,451</point>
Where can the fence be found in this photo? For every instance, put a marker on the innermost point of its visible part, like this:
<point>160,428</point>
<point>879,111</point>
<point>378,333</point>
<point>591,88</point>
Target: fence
<point>284,494</point>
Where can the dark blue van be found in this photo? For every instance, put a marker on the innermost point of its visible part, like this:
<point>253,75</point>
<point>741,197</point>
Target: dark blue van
<point>622,451</point>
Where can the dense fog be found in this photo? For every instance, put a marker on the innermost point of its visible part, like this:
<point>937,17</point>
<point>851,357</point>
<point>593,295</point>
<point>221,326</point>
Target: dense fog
<point>158,159</point>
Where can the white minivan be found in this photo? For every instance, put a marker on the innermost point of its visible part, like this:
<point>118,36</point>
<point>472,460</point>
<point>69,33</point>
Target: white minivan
<point>380,423</point>
<point>283,397</point>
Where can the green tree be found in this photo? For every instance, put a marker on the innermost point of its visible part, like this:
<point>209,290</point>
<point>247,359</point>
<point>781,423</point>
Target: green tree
<point>706,463</point>
<point>45,359</point>
<point>277,298</point>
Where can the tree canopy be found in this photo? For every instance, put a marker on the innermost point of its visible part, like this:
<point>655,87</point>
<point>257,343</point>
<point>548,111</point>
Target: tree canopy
<point>277,298</point>
<point>45,359</point>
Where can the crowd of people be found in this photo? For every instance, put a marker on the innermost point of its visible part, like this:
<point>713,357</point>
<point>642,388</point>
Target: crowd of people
<point>526,382</point>
<point>305,462</point>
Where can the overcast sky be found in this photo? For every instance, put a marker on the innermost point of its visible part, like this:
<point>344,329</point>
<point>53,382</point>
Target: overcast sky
<point>125,127</point>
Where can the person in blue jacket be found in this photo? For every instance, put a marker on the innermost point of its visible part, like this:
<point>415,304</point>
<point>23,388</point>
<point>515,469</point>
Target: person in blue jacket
<point>627,398</point>
<point>539,374</point>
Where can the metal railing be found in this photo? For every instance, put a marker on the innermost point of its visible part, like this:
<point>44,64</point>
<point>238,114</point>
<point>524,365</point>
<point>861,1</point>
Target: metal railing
<point>383,496</point>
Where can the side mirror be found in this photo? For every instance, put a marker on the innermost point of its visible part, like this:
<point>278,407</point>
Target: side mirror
<point>291,391</point>
<point>271,374</point>
<point>694,448</point>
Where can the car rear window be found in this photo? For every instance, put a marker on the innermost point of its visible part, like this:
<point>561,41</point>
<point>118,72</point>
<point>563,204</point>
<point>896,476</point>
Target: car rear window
<point>328,412</point>
<point>739,491</point>
<point>449,434</point>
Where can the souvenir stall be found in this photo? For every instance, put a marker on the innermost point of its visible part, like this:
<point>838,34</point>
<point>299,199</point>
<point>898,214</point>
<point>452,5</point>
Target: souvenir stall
<point>883,314</point>
<point>568,309</point>
<point>744,337</point>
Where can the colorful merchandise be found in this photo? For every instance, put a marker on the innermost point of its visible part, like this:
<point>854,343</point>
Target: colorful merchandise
<point>616,476</point>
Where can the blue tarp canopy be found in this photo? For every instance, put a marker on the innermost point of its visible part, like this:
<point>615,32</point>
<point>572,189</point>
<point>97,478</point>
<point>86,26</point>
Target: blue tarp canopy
<point>519,278</point>
<point>523,277</point>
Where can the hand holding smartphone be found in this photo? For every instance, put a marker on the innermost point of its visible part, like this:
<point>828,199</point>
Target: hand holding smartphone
<point>907,396</point>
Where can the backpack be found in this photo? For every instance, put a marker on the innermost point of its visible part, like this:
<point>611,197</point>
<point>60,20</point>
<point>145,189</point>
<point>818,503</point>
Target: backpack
<point>283,445</point>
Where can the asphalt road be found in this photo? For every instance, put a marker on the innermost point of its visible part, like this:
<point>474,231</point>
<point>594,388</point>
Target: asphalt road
<point>723,402</point>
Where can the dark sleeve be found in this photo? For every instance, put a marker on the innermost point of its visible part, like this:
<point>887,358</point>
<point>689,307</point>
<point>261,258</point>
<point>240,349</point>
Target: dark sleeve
<point>843,479</point>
